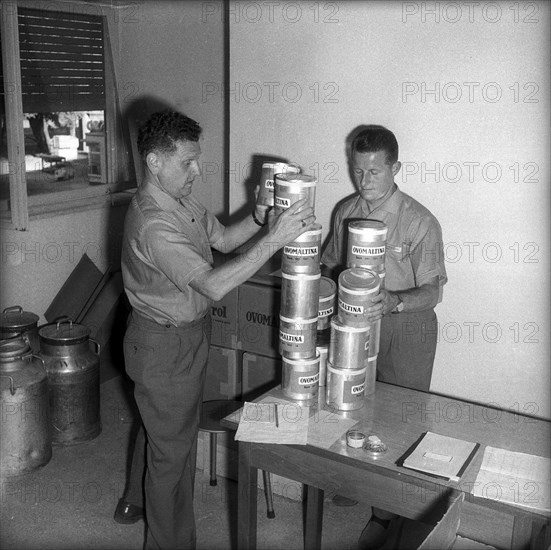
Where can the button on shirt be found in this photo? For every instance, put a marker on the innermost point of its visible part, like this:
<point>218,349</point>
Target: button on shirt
<point>167,243</point>
<point>414,249</point>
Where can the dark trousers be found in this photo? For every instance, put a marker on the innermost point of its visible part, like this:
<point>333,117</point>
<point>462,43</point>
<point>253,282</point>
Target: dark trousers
<point>407,349</point>
<point>167,365</point>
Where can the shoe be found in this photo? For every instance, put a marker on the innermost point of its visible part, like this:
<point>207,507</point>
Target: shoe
<point>374,534</point>
<point>339,500</point>
<point>127,513</point>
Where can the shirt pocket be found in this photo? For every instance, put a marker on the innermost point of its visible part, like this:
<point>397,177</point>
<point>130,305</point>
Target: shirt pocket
<point>398,253</point>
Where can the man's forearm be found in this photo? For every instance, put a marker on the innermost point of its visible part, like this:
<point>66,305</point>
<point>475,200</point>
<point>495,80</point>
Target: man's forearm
<point>414,299</point>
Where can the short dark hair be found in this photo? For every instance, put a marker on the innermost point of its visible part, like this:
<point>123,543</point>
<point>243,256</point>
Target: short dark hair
<point>373,138</point>
<point>163,129</point>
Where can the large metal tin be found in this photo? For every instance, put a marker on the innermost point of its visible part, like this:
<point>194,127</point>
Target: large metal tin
<point>366,244</point>
<point>302,256</point>
<point>349,346</point>
<point>356,289</point>
<point>25,427</point>
<point>266,185</point>
<point>73,376</point>
<point>300,295</point>
<point>290,189</point>
<point>345,388</point>
<point>297,338</point>
<point>300,378</point>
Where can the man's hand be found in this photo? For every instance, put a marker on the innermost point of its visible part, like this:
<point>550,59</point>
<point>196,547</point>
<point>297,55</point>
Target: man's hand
<point>291,223</point>
<point>383,303</point>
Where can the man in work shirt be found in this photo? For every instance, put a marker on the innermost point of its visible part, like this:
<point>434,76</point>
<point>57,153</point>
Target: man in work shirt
<point>415,274</point>
<point>171,283</point>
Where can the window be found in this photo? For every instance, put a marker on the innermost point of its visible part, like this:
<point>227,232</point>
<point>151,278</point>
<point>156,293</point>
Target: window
<point>61,144</point>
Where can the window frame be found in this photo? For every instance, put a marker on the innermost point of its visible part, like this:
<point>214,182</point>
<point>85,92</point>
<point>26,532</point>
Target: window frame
<point>121,180</point>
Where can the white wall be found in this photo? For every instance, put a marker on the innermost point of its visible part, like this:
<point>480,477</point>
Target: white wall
<point>173,51</point>
<point>302,79</point>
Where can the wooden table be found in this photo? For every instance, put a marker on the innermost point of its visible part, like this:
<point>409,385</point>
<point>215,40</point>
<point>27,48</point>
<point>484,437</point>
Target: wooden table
<point>398,416</point>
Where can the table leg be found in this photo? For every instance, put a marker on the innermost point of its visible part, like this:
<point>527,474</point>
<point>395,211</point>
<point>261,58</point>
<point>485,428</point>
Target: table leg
<point>314,518</point>
<point>246,499</point>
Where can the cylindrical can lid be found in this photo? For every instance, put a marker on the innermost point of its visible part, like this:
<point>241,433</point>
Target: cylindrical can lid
<point>313,232</point>
<point>282,167</point>
<point>375,227</point>
<point>337,324</point>
<point>300,276</point>
<point>14,318</point>
<point>65,333</point>
<point>359,280</point>
<point>302,362</point>
<point>298,320</point>
<point>346,372</point>
<point>302,180</point>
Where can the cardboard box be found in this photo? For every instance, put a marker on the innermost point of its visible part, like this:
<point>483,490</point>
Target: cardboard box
<point>223,378</point>
<point>224,320</point>
<point>259,374</point>
<point>258,318</point>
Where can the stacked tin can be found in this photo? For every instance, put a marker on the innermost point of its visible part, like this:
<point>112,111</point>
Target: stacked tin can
<point>367,249</point>
<point>350,376</point>
<point>300,286</point>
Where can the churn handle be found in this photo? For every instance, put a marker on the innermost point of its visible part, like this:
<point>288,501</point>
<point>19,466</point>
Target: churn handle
<point>98,347</point>
<point>41,360</point>
<point>13,308</point>
<point>12,385</point>
<point>63,319</point>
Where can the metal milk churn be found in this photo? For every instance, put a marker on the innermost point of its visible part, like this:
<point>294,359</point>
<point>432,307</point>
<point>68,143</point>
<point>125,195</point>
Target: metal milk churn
<point>25,424</point>
<point>14,321</point>
<point>73,376</point>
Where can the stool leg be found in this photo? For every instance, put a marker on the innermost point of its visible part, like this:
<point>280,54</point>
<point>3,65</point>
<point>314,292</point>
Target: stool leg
<point>212,453</point>
<point>268,492</point>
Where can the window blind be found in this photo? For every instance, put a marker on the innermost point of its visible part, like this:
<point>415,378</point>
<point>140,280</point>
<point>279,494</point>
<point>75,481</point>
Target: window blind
<point>62,63</point>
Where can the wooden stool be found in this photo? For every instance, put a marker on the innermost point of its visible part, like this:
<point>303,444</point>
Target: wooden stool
<point>211,414</point>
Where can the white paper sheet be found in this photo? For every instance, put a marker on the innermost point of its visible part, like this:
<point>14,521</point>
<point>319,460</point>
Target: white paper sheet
<point>516,478</point>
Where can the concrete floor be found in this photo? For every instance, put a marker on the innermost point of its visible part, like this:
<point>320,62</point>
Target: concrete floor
<point>69,503</point>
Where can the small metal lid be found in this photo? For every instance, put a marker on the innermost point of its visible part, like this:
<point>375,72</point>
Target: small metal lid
<point>358,280</point>
<point>64,333</point>
<point>14,318</point>
<point>359,226</point>
<point>374,447</point>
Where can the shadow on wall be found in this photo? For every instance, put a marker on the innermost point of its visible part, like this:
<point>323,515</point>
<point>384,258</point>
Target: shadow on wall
<point>134,115</point>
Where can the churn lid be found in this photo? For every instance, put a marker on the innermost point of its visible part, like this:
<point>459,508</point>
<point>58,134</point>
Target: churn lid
<point>359,280</point>
<point>13,348</point>
<point>64,333</point>
<point>14,318</point>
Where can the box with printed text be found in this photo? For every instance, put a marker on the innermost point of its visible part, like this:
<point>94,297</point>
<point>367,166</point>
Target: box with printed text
<point>258,318</point>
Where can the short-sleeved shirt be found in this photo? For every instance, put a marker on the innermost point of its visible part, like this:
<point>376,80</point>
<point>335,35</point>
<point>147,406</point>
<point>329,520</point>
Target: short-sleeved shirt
<point>414,249</point>
<point>166,244</point>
